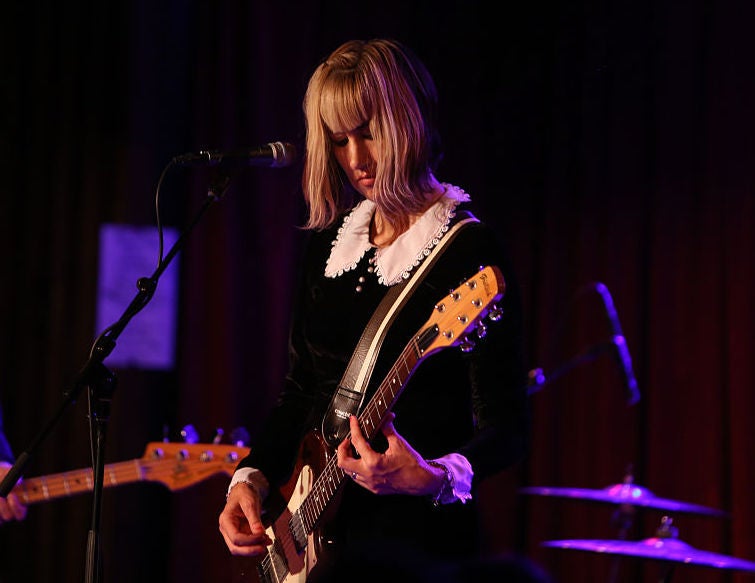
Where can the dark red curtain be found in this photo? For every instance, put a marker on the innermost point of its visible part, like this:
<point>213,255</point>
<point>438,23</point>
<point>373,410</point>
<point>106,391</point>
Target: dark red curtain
<point>608,142</point>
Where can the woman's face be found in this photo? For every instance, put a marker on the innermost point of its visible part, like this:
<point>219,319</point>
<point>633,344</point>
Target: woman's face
<point>355,152</point>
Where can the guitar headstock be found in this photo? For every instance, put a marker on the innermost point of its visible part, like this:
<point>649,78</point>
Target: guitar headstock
<point>461,312</point>
<point>179,465</point>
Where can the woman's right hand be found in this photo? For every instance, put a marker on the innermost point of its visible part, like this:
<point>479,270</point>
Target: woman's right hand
<point>240,522</point>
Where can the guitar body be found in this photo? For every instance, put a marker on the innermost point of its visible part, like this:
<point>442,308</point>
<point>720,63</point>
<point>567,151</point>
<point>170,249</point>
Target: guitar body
<point>287,559</point>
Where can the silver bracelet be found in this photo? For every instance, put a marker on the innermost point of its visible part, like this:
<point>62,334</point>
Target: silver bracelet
<point>448,482</point>
<point>252,485</point>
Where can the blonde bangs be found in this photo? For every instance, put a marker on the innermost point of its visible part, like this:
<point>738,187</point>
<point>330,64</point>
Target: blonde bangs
<point>344,103</point>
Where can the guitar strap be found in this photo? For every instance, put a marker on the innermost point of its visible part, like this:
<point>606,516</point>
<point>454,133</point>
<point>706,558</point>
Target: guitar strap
<point>350,393</point>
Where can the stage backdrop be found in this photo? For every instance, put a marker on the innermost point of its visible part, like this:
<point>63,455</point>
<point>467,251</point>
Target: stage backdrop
<point>607,142</point>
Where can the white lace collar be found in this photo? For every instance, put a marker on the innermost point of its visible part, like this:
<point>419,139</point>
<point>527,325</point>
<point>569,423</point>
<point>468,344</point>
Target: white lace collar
<point>394,262</point>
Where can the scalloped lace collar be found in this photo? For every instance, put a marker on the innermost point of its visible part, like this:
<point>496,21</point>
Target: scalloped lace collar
<point>394,262</point>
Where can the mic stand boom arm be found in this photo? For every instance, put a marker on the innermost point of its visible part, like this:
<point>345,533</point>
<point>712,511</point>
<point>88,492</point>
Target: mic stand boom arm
<point>538,379</point>
<point>101,383</point>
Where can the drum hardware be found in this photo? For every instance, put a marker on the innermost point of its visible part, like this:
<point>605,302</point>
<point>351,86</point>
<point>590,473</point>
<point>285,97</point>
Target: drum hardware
<point>665,546</point>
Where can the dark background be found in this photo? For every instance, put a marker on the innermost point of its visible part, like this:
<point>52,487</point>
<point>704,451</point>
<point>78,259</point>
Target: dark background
<point>607,141</point>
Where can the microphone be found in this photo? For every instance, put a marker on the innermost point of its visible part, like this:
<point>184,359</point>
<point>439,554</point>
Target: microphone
<point>620,345</point>
<point>274,155</point>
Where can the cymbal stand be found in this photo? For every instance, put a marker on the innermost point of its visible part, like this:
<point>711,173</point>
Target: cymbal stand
<point>668,572</point>
<point>623,519</point>
<point>667,530</point>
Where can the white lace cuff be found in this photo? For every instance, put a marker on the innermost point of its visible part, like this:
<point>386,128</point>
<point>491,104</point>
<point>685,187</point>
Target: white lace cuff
<point>461,478</point>
<point>253,477</point>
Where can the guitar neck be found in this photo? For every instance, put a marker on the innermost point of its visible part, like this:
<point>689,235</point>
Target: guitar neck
<point>66,484</point>
<point>332,477</point>
<point>390,389</point>
<point>175,465</point>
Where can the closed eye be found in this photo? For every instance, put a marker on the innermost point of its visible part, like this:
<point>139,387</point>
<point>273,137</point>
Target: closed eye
<point>361,133</point>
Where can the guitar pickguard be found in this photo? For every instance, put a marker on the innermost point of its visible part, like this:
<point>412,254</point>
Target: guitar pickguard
<point>294,554</point>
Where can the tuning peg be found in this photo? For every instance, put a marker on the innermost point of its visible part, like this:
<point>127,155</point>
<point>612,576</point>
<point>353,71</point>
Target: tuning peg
<point>218,436</point>
<point>189,434</point>
<point>482,330</point>
<point>240,436</point>
<point>496,312</point>
<point>467,345</point>
<point>536,378</point>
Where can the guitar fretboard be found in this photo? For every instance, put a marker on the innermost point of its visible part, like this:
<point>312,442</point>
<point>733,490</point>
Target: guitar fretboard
<point>66,484</point>
<point>332,477</point>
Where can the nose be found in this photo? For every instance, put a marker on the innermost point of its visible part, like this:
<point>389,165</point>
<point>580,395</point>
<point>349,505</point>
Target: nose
<point>359,155</point>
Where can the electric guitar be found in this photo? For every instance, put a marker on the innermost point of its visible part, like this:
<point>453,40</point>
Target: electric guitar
<point>176,465</point>
<point>297,544</point>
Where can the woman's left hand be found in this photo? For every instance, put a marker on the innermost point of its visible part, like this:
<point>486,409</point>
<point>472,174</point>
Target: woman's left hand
<point>398,470</point>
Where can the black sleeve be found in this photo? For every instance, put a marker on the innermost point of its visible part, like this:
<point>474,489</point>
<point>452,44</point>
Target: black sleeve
<point>274,451</point>
<point>498,380</point>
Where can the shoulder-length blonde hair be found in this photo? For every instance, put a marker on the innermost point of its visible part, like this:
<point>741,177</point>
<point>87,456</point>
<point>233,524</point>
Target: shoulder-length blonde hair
<point>382,83</point>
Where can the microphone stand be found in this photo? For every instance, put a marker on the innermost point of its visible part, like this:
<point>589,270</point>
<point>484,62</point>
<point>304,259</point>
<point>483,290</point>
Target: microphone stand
<point>538,379</point>
<point>101,383</point>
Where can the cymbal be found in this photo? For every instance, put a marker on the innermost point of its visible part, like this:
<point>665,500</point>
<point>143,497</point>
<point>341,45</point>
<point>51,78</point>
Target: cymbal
<point>662,549</point>
<point>627,493</point>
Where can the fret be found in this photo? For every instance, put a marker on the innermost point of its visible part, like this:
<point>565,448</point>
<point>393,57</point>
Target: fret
<point>139,470</point>
<point>45,491</point>
<point>392,390</point>
<point>312,514</point>
<point>66,486</point>
<point>368,424</point>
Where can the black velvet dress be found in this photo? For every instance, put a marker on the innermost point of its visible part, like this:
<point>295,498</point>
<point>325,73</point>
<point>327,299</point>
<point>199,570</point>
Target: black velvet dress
<point>471,403</point>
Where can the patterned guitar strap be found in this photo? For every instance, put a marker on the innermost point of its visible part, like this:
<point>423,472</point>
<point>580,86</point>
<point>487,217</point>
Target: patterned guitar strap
<point>350,393</point>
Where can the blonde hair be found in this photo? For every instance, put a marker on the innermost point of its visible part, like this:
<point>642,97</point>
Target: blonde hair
<point>381,83</point>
